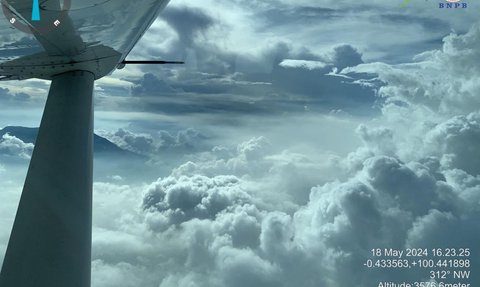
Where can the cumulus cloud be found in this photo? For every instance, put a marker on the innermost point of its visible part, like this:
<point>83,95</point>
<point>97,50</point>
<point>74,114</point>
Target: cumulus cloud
<point>282,179</point>
<point>222,227</point>
<point>14,147</point>
<point>233,216</point>
<point>179,200</point>
<point>439,80</point>
<point>454,141</point>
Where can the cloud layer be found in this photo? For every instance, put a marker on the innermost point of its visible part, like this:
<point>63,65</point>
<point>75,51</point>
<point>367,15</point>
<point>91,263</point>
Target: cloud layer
<point>242,202</point>
<point>406,186</point>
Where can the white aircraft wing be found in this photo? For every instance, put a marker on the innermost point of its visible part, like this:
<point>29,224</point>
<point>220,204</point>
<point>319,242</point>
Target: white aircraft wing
<point>93,33</point>
<point>45,30</point>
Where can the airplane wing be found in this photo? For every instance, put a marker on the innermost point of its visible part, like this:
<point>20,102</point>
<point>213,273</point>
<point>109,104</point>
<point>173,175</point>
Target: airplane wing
<point>96,35</point>
<point>45,30</point>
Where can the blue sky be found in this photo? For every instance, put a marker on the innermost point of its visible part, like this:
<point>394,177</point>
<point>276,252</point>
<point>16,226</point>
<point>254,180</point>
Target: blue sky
<point>297,136</point>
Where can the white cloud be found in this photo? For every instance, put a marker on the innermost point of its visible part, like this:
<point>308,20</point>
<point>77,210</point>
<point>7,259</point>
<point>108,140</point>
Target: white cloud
<point>310,65</point>
<point>12,146</point>
<point>454,141</point>
<point>439,81</point>
<point>217,231</point>
<point>175,200</point>
<point>121,274</point>
<point>413,183</point>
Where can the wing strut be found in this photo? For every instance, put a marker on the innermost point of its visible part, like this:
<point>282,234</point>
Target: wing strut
<point>150,62</point>
<point>50,244</point>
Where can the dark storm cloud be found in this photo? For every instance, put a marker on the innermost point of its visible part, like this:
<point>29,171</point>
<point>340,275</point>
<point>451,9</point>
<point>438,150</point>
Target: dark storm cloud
<point>278,16</point>
<point>346,56</point>
<point>218,81</point>
<point>187,22</point>
<point>190,24</point>
<point>251,90</point>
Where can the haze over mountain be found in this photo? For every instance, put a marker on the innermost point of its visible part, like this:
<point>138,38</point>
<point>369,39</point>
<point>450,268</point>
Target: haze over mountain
<point>102,146</point>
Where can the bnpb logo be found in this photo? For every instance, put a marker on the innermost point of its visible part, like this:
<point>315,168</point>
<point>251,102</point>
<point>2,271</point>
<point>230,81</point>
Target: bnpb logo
<point>452,4</point>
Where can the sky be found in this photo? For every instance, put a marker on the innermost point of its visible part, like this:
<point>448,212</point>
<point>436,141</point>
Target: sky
<point>298,136</point>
